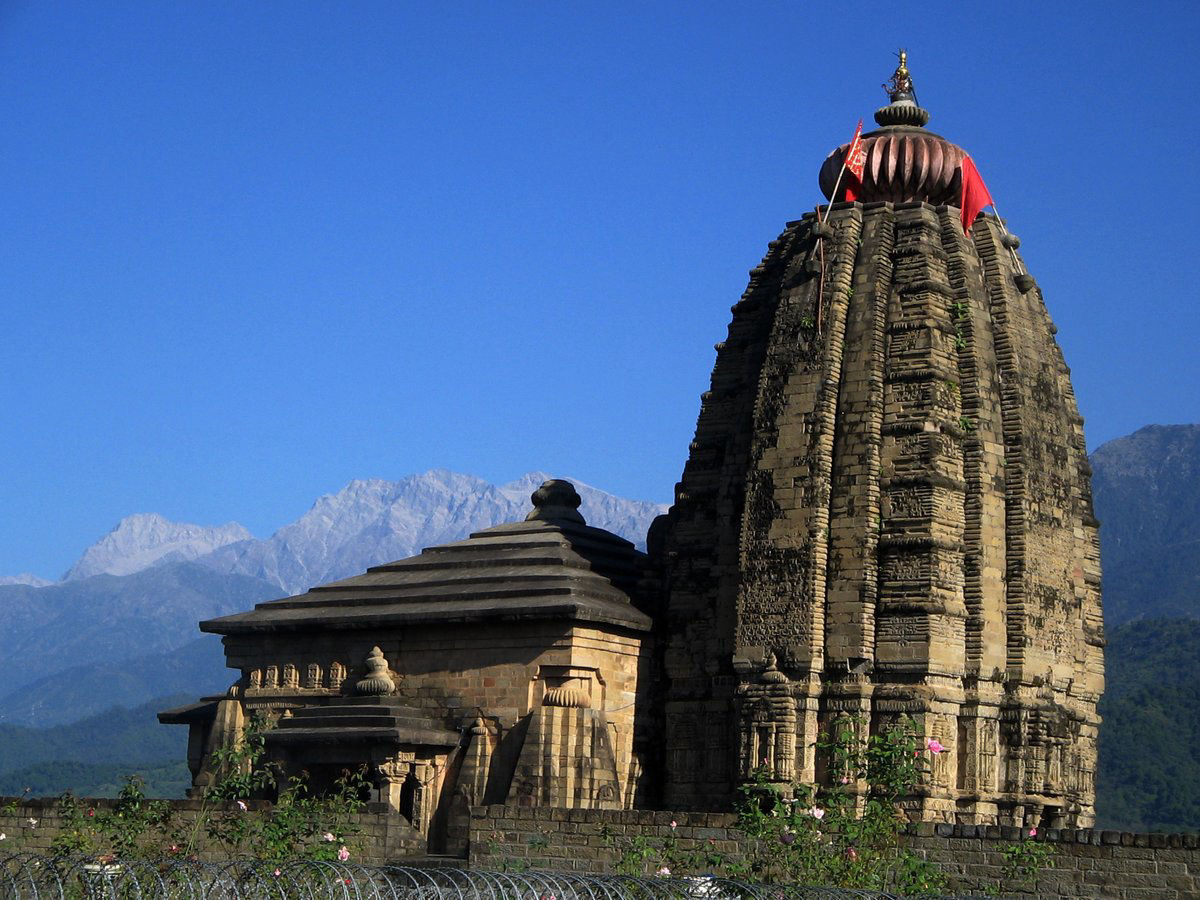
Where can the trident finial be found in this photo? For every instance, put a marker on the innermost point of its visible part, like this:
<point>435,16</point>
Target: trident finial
<point>901,86</point>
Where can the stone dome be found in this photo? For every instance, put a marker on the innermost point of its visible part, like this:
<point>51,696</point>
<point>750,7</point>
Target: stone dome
<point>905,163</point>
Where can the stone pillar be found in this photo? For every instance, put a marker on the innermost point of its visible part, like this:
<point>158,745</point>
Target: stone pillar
<point>477,762</point>
<point>390,776</point>
<point>228,724</point>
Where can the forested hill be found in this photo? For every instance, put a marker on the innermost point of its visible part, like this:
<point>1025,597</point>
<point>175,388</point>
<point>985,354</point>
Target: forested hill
<point>90,757</point>
<point>1149,773</point>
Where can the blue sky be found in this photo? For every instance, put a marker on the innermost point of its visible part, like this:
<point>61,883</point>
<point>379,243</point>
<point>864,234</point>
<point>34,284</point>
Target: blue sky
<point>255,250</point>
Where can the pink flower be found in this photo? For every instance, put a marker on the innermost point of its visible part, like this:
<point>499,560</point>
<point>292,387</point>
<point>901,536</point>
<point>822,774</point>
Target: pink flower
<point>1033,832</point>
<point>673,823</point>
<point>241,804</point>
<point>91,811</point>
<point>664,871</point>
<point>934,745</point>
<point>328,837</point>
<point>276,873</point>
<point>817,813</point>
<point>851,853</point>
<point>343,853</point>
<point>845,779</point>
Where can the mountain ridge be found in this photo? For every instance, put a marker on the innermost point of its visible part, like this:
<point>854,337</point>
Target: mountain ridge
<point>1146,490</point>
<point>367,522</point>
<point>142,540</point>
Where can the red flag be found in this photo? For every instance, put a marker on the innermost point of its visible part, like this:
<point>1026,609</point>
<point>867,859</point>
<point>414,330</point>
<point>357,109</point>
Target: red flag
<point>975,194</point>
<point>856,158</point>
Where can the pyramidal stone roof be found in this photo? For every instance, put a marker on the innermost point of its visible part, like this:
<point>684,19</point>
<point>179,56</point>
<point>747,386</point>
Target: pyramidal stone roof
<point>551,566</point>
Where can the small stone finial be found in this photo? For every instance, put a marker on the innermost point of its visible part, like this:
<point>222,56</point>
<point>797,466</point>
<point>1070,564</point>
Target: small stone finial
<point>771,674</point>
<point>556,499</point>
<point>903,109</point>
<point>376,682</point>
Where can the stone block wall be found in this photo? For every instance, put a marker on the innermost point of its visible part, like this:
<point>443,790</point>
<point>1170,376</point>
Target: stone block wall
<point>1087,863</point>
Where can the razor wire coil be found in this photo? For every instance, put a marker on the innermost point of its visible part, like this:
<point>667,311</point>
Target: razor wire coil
<point>36,876</point>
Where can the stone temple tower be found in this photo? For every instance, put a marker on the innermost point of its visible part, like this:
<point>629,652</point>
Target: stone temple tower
<point>886,510</point>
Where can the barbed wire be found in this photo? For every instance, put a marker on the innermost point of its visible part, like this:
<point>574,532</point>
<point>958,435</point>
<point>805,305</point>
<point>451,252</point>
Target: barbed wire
<point>32,875</point>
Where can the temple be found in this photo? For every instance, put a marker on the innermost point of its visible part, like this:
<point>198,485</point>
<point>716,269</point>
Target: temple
<point>885,512</point>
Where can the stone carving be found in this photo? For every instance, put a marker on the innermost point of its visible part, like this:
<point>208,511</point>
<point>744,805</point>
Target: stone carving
<point>376,682</point>
<point>337,674</point>
<point>312,679</point>
<point>567,687</point>
<point>768,725</point>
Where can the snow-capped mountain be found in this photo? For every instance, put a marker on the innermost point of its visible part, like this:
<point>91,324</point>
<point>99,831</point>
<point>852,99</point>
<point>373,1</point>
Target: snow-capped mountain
<point>24,578</point>
<point>367,522</point>
<point>151,580</point>
<point>374,521</point>
<point>147,539</point>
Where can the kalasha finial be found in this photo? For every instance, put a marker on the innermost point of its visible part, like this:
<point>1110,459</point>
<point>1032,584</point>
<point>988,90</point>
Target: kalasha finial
<point>903,109</point>
<point>901,86</point>
<point>904,162</point>
<point>556,499</point>
<point>377,682</point>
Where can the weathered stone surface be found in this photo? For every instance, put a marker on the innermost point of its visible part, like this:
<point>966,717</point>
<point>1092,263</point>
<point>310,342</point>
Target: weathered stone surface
<point>887,501</point>
<point>513,664</point>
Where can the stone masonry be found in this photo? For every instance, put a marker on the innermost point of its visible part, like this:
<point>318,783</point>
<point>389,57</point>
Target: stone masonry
<point>885,514</point>
<point>886,511</point>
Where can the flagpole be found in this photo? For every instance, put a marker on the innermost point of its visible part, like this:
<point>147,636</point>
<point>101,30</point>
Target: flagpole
<point>837,184</point>
<point>821,219</point>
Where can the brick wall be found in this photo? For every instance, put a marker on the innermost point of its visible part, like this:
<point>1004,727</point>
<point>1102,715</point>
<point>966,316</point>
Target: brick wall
<point>382,836</point>
<point>1086,863</point>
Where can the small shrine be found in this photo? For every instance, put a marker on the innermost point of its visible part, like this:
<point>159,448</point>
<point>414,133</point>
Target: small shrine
<point>509,667</point>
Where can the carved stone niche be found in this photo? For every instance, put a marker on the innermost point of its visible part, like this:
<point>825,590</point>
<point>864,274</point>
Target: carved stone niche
<point>572,687</point>
<point>767,725</point>
<point>409,782</point>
